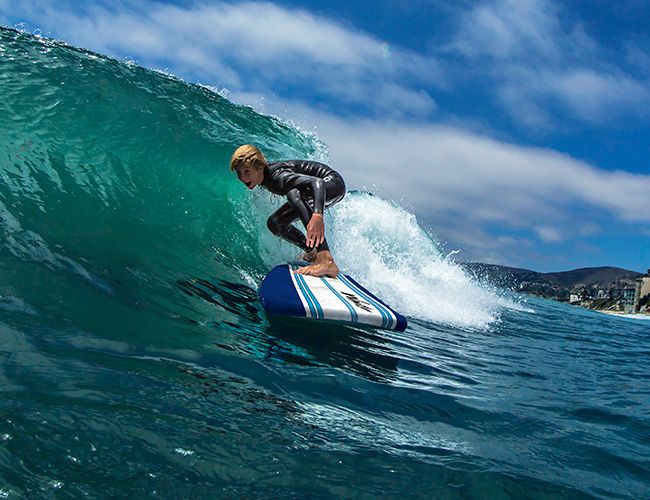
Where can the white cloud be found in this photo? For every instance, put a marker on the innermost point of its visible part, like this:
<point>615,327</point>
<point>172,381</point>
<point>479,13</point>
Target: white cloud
<point>637,55</point>
<point>540,63</point>
<point>507,29</point>
<point>541,67</point>
<point>583,247</point>
<point>589,229</point>
<point>549,234</point>
<point>395,97</point>
<point>449,170</point>
<point>250,45</point>
<point>593,95</point>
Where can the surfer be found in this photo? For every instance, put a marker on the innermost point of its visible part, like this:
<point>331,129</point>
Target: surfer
<point>310,187</point>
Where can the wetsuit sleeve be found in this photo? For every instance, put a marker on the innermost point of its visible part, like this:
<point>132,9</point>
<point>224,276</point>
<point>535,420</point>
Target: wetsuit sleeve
<point>316,184</point>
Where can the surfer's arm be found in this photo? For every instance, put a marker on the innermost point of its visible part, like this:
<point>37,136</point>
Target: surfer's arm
<point>317,186</point>
<point>315,230</point>
<point>315,226</point>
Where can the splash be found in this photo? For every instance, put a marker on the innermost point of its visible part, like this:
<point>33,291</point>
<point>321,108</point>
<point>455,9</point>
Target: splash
<point>383,246</point>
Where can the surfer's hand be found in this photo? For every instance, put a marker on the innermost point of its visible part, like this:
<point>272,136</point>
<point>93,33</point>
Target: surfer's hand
<point>315,230</point>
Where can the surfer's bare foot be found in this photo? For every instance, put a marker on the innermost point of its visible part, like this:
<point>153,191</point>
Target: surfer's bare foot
<point>330,270</point>
<point>323,266</point>
<point>309,256</point>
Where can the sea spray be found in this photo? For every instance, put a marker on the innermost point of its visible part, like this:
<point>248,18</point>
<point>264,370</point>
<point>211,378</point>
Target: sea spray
<point>384,247</point>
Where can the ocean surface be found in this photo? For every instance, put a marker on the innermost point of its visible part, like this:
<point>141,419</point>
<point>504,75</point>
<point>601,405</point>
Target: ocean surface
<point>135,358</point>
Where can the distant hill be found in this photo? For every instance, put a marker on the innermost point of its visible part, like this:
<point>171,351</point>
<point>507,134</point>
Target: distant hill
<point>549,284</point>
<point>590,276</point>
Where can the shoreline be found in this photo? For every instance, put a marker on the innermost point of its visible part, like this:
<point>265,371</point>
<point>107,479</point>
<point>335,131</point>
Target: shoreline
<point>624,314</point>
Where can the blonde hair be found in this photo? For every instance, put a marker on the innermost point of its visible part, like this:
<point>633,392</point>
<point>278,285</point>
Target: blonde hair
<point>247,154</point>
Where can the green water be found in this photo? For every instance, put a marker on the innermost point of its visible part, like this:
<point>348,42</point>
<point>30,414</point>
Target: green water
<point>110,170</point>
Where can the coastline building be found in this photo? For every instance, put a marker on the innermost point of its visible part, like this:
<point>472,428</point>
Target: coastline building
<point>629,298</point>
<point>642,293</point>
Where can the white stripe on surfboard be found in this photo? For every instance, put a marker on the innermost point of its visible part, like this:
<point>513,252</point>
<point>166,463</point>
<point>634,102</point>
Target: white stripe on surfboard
<point>367,313</point>
<point>305,302</point>
<point>329,294</point>
<point>388,318</point>
<point>330,304</point>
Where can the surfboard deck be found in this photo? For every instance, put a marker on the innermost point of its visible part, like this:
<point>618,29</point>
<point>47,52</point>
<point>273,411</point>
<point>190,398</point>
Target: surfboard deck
<point>288,293</point>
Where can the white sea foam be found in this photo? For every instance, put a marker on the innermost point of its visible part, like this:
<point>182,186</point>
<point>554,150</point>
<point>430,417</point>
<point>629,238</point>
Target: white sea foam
<point>381,245</point>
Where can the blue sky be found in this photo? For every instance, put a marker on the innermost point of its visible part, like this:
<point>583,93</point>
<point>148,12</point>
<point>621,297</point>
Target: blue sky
<point>518,131</point>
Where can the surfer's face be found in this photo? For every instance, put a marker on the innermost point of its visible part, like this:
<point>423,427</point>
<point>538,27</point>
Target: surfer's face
<point>250,175</point>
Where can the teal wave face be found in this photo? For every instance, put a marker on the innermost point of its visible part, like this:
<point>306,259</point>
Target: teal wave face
<point>116,174</point>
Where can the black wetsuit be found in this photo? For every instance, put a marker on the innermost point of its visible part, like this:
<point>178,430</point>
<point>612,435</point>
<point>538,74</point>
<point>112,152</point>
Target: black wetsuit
<point>309,187</point>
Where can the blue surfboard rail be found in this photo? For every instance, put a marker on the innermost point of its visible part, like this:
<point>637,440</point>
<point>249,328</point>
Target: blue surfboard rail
<point>278,294</point>
<point>342,299</point>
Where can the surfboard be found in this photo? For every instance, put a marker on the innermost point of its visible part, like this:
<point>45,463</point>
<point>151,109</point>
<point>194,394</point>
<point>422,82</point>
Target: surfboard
<point>288,293</point>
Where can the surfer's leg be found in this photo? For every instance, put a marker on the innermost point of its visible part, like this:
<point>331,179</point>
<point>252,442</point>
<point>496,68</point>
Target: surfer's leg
<point>324,264</point>
<point>280,224</point>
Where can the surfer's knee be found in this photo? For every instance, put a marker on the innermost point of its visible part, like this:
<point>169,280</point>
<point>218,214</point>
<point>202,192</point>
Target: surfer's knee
<point>276,225</point>
<point>273,223</point>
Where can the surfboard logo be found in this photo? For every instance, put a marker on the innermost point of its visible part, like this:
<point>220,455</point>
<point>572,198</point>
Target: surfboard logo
<point>357,301</point>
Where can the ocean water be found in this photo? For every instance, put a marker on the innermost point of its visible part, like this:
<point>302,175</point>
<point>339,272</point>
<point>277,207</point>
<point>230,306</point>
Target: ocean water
<point>135,358</point>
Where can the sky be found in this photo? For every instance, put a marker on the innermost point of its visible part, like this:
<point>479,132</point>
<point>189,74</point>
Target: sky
<point>517,131</point>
